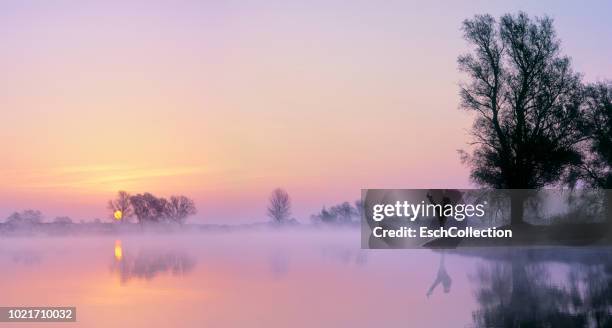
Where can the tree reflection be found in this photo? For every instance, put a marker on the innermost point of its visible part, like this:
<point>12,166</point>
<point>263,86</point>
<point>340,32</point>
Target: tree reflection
<point>591,288</point>
<point>279,264</point>
<point>150,263</point>
<point>345,255</point>
<point>26,257</point>
<point>520,293</point>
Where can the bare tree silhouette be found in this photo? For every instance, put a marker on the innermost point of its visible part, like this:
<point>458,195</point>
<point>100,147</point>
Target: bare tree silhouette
<point>279,208</point>
<point>179,208</point>
<point>526,98</point>
<point>344,211</point>
<point>596,167</point>
<point>25,217</point>
<point>359,208</point>
<point>121,203</point>
<point>148,208</point>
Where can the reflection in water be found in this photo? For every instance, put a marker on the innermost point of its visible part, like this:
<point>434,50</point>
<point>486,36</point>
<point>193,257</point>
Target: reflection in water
<point>279,260</point>
<point>279,264</point>
<point>345,255</point>
<point>308,279</point>
<point>591,288</point>
<point>442,277</point>
<point>26,257</point>
<point>147,264</point>
<point>118,251</point>
<point>528,291</point>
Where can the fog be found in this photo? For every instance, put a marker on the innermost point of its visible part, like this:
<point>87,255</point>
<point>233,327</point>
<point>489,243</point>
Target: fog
<point>299,278</point>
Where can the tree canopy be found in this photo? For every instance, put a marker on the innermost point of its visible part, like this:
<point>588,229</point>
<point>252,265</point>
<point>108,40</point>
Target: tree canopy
<point>526,97</point>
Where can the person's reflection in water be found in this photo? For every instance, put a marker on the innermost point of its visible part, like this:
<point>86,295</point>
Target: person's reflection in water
<point>441,278</point>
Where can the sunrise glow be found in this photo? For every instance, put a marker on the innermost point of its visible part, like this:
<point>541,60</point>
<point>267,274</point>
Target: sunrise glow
<point>98,99</point>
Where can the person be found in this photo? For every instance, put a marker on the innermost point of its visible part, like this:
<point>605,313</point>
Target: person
<point>445,200</point>
<point>441,278</point>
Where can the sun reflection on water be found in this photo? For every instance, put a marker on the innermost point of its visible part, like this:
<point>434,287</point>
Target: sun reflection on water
<point>118,251</point>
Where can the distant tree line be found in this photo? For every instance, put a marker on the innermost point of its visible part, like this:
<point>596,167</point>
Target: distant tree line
<point>343,213</point>
<point>147,208</point>
<point>31,217</point>
<point>25,217</point>
<point>279,210</point>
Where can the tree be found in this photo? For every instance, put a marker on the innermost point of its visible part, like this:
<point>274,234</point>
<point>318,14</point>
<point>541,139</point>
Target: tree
<point>25,217</point>
<point>344,211</point>
<point>279,208</point>
<point>329,216</point>
<point>324,216</point>
<point>598,127</point>
<point>341,213</point>
<point>526,98</point>
<point>360,208</point>
<point>148,208</point>
<point>518,293</point>
<point>141,211</point>
<point>179,208</point>
<point>596,167</point>
<point>62,220</point>
<point>157,207</point>
<point>121,203</point>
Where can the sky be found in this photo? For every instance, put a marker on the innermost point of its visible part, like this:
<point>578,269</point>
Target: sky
<point>224,101</point>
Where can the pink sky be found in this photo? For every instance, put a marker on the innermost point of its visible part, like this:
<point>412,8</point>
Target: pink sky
<point>224,102</point>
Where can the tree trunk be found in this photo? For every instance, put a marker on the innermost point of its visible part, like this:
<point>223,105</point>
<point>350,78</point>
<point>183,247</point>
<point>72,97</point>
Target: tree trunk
<point>519,310</point>
<point>608,211</point>
<point>517,202</point>
<point>608,205</point>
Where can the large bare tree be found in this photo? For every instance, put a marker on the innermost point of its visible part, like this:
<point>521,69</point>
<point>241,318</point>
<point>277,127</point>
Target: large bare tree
<point>279,208</point>
<point>595,170</point>
<point>180,208</point>
<point>121,203</point>
<point>526,99</point>
<point>148,208</point>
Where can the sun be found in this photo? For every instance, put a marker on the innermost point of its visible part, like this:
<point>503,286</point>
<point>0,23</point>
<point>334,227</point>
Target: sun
<point>118,215</point>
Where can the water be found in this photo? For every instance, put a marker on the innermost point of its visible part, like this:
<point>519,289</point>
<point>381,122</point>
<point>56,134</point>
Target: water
<point>301,279</point>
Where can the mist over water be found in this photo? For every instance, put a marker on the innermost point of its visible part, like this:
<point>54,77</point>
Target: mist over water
<point>281,278</point>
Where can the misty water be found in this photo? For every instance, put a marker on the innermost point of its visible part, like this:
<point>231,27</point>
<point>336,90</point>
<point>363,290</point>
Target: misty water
<point>313,278</point>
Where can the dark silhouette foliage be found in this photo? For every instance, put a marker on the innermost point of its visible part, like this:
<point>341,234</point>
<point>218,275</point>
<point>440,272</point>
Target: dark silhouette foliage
<point>527,101</point>
<point>151,209</point>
